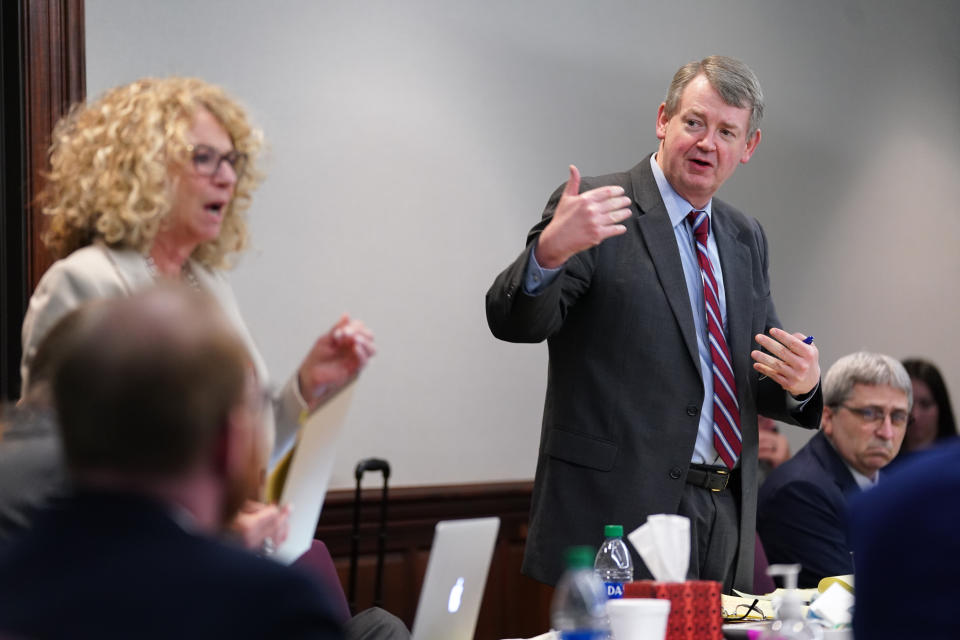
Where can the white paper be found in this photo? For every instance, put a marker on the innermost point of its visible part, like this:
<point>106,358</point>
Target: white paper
<point>309,474</point>
<point>835,605</point>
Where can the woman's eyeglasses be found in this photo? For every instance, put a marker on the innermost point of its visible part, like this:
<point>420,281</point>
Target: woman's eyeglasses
<point>206,160</point>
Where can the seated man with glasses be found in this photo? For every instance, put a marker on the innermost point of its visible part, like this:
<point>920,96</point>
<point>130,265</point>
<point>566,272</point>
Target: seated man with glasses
<point>802,508</point>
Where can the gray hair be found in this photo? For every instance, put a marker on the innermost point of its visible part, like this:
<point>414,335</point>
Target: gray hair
<point>736,83</point>
<point>868,368</point>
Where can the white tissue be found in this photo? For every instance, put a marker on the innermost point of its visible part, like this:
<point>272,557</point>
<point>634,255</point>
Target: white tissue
<point>663,543</point>
<point>835,605</point>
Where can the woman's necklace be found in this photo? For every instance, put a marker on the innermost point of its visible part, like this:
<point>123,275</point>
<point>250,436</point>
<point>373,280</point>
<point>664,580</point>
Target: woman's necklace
<point>186,272</point>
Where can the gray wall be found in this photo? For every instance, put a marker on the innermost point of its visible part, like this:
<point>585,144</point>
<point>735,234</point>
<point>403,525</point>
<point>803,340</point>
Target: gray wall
<point>412,144</point>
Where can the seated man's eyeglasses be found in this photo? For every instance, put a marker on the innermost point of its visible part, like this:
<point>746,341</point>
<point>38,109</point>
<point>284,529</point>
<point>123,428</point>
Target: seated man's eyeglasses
<point>898,417</point>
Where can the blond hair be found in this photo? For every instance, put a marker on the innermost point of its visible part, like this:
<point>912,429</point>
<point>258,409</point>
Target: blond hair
<point>110,177</point>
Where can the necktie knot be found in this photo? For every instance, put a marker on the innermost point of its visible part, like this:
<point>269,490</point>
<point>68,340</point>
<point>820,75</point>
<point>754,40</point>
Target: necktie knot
<point>700,222</point>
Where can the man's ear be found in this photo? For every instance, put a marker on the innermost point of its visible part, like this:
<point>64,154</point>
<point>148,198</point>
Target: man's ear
<point>231,450</point>
<point>220,451</point>
<point>752,145</point>
<point>662,120</point>
<point>826,422</point>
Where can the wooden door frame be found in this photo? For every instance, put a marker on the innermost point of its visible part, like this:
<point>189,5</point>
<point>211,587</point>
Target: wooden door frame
<point>43,72</point>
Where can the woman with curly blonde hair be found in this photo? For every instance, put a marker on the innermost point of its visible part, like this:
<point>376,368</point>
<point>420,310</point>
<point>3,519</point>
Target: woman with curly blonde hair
<point>111,161</point>
<point>151,182</point>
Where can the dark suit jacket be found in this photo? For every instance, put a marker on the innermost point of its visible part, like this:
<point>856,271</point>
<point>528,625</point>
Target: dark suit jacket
<point>907,550</point>
<point>624,390</point>
<point>102,565</point>
<point>802,514</point>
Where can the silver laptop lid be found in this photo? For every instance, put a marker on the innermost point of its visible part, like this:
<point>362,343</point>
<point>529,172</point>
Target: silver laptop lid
<point>455,579</point>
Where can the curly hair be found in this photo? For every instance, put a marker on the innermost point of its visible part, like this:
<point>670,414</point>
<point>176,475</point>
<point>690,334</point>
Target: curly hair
<point>110,162</point>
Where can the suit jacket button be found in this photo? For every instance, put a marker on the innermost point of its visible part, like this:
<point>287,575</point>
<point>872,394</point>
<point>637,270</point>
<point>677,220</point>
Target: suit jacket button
<point>692,410</point>
<point>676,472</point>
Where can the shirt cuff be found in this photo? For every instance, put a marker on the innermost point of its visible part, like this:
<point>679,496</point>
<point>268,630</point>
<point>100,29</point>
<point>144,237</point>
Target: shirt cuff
<point>795,403</point>
<point>536,278</point>
<point>295,392</point>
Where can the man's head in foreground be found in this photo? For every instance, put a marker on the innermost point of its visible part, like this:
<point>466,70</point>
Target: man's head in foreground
<point>156,396</point>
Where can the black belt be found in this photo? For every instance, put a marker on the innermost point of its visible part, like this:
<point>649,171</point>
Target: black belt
<point>713,478</point>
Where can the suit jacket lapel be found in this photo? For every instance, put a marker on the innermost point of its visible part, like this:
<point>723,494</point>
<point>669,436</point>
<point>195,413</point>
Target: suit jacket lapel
<point>737,278</point>
<point>833,463</point>
<point>657,233</point>
<point>131,268</point>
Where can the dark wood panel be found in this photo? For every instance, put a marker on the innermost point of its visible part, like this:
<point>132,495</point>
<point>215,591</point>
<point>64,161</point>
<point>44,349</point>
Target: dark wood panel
<point>514,606</point>
<point>43,73</point>
<point>55,79</point>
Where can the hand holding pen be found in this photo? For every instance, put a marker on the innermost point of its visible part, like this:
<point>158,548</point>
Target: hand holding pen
<point>791,360</point>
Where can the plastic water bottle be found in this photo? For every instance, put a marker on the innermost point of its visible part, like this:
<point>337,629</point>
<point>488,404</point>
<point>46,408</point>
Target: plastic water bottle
<point>579,607</point>
<point>613,563</point>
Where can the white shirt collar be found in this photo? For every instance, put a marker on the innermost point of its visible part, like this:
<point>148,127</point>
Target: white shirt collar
<point>677,206</point>
<point>863,481</point>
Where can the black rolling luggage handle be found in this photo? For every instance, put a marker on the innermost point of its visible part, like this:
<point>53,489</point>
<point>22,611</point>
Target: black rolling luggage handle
<point>369,464</point>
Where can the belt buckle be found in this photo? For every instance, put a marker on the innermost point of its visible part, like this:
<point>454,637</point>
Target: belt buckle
<point>726,478</point>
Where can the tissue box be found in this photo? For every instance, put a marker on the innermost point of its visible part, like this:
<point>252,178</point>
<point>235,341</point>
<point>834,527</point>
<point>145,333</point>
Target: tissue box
<point>694,606</point>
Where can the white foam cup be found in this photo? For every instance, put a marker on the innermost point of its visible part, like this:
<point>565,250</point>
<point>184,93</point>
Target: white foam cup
<point>638,618</point>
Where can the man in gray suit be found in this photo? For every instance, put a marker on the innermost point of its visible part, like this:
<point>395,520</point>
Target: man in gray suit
<point>652,396</point>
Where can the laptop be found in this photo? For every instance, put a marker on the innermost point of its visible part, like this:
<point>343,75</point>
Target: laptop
<point>455,579</point>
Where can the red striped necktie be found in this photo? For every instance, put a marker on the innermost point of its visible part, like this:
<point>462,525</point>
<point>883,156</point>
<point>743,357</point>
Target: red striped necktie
<point>726,412</point>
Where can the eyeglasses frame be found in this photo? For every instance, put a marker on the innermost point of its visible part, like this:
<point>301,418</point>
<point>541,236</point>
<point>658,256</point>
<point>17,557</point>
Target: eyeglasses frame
<point>238,164</point>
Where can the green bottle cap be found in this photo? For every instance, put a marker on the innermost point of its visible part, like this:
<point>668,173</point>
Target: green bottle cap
<point>580,557</point>
<point>613,531</point>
